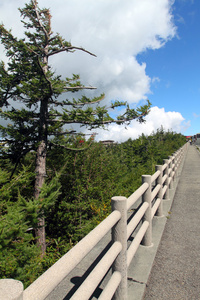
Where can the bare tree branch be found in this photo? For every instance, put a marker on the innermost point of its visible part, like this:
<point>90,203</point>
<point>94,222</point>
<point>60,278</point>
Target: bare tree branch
<point>62,133</point>
<point>70,49</point>
<point>80,88</point>
<point>39,21</point>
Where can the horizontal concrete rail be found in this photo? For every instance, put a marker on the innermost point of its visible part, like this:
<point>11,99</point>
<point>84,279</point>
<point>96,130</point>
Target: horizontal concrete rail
<point>155,207</point>
<point>136,195</point>
<point>136,242</point>
<point>155,176</point>
<point>92,281</point>
<point>165,189</point>
<point>130,227</point>
<point>136,219</point>
<point>155,191</point>
<point>111,286</point>
<point>164,178</point>
<point>42,286</point>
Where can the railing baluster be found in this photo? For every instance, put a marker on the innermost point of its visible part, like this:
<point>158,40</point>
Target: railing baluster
<point>159,212</point>
<point>146,197</point>
<point>11,289</point>
<point>119,234</point>
<point>166,171</point>
<point>170,175</point>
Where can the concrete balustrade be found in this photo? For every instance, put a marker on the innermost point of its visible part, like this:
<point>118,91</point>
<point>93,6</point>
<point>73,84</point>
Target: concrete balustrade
<point>119,234</point>
<point>11,289</point>
<point>146,197</point>
<point>124,222</point>
<point>159,211</point>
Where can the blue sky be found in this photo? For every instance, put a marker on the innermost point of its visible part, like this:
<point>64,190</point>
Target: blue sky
<point>145,49</point>
<point>177,65</point>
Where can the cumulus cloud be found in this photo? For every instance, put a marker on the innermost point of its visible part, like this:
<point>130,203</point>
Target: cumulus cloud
<point>116,32</point>
<point>157,117</point>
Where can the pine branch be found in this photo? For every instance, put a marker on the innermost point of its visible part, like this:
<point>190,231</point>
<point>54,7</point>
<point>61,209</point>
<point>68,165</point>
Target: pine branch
<point>72,149</point>
<point>101,122</point>
<point>80,88</point>
<point>70,49</point>
<point>62,133</point>
<point>75,104</point>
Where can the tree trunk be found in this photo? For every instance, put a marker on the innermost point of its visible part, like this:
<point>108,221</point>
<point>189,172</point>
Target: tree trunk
<point>40,170</point>
<point>41,159</point>
<point>39,180</point>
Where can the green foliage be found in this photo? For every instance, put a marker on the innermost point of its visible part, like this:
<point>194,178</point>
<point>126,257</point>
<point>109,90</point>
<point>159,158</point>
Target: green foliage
<point>88,182</point>
<point>75,198</point>
<point>20,257</point>
<point>92,177</point>
<point>16,247</point>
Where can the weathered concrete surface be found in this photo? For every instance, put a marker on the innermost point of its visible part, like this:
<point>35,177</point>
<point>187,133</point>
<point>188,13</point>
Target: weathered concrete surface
<point>11,289</point>
<point>141,266</point>
<point>176,271</point>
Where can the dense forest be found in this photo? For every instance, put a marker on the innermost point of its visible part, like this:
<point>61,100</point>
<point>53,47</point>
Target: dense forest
<point>76,195</point>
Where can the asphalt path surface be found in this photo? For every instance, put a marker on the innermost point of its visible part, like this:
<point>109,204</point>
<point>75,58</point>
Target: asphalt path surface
<point>176,271</point>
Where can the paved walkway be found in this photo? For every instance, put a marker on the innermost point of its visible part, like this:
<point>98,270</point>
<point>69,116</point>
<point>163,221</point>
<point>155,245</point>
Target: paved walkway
<point>176,271</point>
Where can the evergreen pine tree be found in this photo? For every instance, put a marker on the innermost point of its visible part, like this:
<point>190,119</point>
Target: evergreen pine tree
<point>29,79</point>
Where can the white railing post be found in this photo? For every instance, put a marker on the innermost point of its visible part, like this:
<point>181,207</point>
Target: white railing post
<point>166,171</point>
<point>159,212</point>
<point>180,154</point>
<point>176,163</point>
<point>11,289</point>
<point>146,197</point>
<point>119,233</point>
<point>170,166</point>
<point>174,167</point>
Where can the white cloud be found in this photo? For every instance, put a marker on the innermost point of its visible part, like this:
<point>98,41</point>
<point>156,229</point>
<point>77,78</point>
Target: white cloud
<point>196,115</point>
<point>155,79</point>
<point>155,119</point>
<point>116,31</point>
